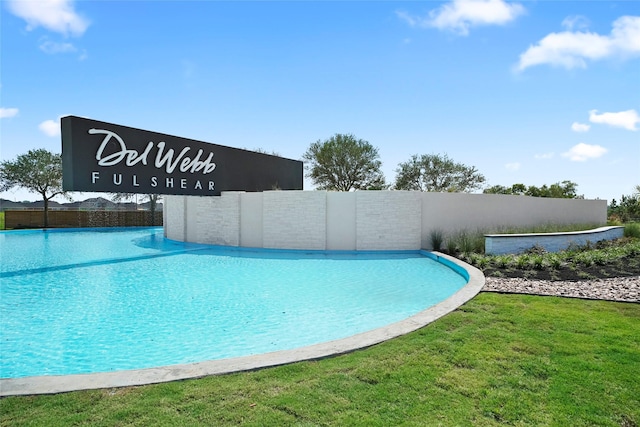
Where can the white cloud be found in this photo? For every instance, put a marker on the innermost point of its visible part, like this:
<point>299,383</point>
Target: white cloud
<point>583,152</point>
<point>575,22</point>
<point>460,15</point>
<point>52,48</point>
<point>572,49</point>
<point>54,15</point>
<point>580,127</point>
<point>544,156</point>
<point>6,113</point>
<point>412,21</point>
<point>50,127</point>
<point>512,166</point>
<point>623,119</point>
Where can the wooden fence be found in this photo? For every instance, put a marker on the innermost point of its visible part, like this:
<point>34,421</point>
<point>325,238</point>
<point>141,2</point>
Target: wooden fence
<point>69,218</point>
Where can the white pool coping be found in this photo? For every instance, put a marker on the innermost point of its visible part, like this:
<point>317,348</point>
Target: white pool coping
<point>65,383</point>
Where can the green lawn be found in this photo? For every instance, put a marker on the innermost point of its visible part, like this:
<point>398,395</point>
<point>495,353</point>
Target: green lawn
<point>499,359</point>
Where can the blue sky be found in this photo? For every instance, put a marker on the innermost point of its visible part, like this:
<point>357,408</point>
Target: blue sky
<point>531,92</point>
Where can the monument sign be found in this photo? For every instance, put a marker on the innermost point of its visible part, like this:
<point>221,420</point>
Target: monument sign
<point>104,157</point>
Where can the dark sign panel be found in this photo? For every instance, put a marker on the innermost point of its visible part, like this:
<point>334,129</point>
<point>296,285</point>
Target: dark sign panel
<point>103,157</point>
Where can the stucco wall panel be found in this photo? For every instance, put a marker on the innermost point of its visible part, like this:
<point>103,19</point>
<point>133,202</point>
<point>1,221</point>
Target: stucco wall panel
<point>341,221</point>
<point>174,220</point>
<point>251,214</point>
<point>214,220</point>
<point>388,220</point>
<point>294,219</point>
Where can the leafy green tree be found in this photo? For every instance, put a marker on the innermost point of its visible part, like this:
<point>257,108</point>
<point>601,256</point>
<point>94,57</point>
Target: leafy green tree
<point>344,163</point>
<point>38,171</point>
<point>435,172</point>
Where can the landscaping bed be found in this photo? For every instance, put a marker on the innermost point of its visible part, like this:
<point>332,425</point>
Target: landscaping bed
<point>606,259</point>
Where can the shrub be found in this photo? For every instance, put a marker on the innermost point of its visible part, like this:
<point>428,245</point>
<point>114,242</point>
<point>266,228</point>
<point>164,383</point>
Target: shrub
<point>478,243</point>
<point>522,262</point>
<point>479,260</point>
<point>554,261</point>
<point>537,262</point>
<point>614,220</point>
<point>632,230</point>
<point>436,237</point>
<point>468,242</point>
<point>451,245</point>
<point>587,259</point>
<point>503,261</point>
<point>465,242</point>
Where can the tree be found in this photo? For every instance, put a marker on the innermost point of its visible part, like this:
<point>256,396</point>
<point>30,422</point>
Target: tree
<point>560,190</point>
<point>563,190</point>
<point>497,189</point>
<point>435,172</point>
<point>39,171</point>
<point>344,163</point>
<point>263,151</point>
<point>628,209</point>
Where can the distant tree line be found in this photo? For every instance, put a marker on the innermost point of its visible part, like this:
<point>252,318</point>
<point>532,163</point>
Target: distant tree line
<point>340,163</point>
<point>628,209</point>
<point>560,190</point>
<point>345,163</point>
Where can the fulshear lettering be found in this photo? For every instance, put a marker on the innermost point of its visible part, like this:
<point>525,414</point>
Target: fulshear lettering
<point>155,182</point>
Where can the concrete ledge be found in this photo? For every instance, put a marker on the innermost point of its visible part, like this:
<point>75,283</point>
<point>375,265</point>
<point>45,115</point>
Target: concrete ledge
<point>66,383</point>
<point>500,244</point>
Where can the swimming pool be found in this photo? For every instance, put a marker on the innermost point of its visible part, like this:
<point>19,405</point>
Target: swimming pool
<point>81,301</point>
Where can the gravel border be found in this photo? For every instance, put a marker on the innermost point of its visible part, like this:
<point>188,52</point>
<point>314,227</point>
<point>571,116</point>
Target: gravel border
<point>625,289</point>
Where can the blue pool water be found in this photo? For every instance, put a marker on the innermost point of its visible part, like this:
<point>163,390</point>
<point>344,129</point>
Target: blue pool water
<point>97,301</point>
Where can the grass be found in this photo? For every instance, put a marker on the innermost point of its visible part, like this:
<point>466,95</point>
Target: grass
<point>466,241</point>
<point>436,238</point>
<point>499,359</point>
<point>545,228</point>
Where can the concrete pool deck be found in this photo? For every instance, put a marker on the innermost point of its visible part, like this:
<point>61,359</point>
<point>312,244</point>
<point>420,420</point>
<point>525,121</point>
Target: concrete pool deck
<point>65,383</point>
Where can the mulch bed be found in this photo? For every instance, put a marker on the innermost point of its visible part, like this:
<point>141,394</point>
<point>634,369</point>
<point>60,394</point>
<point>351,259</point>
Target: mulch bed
<point>624,267</point>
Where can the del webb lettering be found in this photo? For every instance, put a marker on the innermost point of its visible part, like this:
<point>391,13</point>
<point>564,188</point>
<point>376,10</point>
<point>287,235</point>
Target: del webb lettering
<point>167,160</point>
